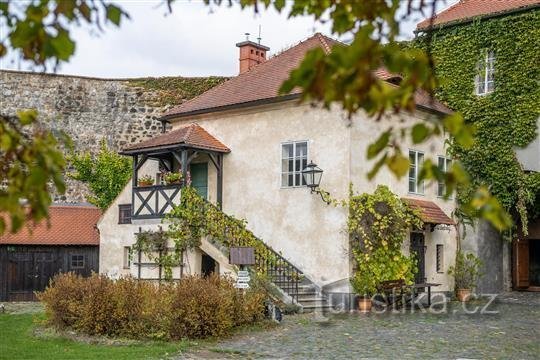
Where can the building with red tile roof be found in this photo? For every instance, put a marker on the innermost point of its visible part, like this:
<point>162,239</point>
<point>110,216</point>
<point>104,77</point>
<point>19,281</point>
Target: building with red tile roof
<point>67,225</point>
<point>260,85</point>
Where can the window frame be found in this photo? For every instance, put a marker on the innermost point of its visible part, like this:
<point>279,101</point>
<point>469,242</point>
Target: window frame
<point>416,172</point>
<point>439,258</point>
<point>485,68</point>
<point>447,162</point>
<point>121,220</point>
<point>127,257</point>
<point>281,158</point>
<point>82,260</point>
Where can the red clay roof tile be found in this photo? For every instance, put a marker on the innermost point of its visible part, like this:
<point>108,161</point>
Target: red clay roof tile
<point>191,135</point>
<point>69,225</point>
<point>263,81</point>
<point>429,211</point>
<point>465,10</point>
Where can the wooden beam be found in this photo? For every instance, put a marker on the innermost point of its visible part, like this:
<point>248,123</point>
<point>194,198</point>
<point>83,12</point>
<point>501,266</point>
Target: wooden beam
<point>184,162</point>
<point>192,156</point>
<point>141,162</point>
<point>220,181</point>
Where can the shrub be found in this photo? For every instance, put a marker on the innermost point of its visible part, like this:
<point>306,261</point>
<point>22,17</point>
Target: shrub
<point>466,271</point>
<point>192,308</point>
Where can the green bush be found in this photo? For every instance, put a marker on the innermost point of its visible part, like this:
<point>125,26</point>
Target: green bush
<point>192,308</point>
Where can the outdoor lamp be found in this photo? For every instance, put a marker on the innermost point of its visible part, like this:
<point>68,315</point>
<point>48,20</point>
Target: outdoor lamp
<point>312,175</point>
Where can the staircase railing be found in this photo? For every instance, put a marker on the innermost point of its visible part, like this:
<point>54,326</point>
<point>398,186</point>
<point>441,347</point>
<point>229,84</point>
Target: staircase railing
<point>279,270</point>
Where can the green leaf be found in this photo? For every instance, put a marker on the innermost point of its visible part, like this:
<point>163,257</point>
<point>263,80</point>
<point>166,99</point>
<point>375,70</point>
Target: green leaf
<point>27,117</point>
<point>114,14</point>
<point>398,164</point>
<point>419,133</point>
<point>375,148</point>
<point>64,47</point>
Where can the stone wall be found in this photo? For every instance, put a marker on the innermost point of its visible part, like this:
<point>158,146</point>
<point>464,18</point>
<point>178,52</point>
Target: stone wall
<point>121,111</point>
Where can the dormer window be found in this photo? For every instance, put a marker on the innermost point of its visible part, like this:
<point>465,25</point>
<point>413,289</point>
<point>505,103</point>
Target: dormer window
<point>485,80</point>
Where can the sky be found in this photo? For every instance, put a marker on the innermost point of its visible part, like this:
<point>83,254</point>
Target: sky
<point>195,40</point>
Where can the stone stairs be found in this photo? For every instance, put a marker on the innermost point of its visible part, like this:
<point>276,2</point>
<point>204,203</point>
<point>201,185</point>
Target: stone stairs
<point>308,296</point>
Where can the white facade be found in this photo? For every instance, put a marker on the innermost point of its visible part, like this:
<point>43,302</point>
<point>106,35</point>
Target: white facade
<point>307,232</point>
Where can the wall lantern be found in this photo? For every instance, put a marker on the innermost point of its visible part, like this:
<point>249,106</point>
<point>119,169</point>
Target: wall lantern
<point>312,175</point>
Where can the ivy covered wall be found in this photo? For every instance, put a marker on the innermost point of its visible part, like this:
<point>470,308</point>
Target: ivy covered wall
<point>505,118</point>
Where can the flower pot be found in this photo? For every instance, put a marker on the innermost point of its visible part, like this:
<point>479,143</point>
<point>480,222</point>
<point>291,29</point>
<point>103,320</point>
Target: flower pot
<point>463,294</point>
<point>364,305</point>
<point>145,184</point>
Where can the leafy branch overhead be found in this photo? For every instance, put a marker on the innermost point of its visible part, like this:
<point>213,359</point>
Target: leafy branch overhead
<point>40,30</point>
<point>29,158</point>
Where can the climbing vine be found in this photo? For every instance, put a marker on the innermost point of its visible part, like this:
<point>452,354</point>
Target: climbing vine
<point>188,223</point>
<point>506,118</point>
<point>378,225</point>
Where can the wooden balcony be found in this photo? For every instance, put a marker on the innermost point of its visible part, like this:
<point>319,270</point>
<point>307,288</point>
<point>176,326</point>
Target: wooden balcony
<point>154,202</point>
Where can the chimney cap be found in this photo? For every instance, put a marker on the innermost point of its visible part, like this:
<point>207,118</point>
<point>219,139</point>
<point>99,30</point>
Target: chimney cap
<point>252,43</point>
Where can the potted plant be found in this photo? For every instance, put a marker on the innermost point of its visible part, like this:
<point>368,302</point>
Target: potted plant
<point>365,286</point>
<point>466,272</point>
<point>146,180</point>
<point>365,280</point>
<point>172,178</point>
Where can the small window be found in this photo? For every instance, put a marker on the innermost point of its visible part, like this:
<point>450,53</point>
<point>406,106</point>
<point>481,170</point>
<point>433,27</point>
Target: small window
<point>440,259</point>
<point>124,214</point>
<point>77,261</point>
<point>293,161</point>
<point>444,165</point>
<point>485,71</point>
<point>127,257</point>
<point>416,159</point>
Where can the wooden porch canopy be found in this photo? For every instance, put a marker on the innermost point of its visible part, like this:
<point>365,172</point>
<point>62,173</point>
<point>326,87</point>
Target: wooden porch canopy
<point>182,145</point>
<point>430,212</point>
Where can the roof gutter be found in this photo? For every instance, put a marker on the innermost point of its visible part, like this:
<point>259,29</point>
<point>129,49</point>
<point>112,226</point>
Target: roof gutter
<point>243,105</point>
<point>471,19</point>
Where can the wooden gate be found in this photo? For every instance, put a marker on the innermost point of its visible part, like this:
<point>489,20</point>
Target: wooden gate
<point>27,269</point>
<point>28,272</point>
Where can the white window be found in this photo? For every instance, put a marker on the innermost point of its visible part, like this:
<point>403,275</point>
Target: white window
<point>444,165</point>
<point>293,161</point>
<point>416,159</point>
<point>484,80</point>
<point>127,257</point>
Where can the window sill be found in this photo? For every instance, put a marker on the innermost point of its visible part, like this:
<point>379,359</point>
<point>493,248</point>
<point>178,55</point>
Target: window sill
<point>414,193</point>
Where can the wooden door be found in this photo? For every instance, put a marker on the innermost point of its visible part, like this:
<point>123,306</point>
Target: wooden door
<point>418,249</point>
<point>521,263</point>
<point>21,277</point>
<point>199,178</point>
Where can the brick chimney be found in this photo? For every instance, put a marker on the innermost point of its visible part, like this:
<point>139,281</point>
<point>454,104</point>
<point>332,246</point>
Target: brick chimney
<point>251,54</point>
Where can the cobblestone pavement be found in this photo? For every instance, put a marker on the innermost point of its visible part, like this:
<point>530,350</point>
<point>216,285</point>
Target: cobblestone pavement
<point>512,333</point>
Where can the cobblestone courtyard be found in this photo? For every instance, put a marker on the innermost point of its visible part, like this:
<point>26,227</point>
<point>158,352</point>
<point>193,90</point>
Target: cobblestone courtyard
<point>512,333</point>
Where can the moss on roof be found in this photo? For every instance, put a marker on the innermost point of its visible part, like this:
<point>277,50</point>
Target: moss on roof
<point>174,90</point>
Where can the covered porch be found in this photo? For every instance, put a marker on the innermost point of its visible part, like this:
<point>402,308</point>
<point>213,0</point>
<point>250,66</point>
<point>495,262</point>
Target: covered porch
<point>181,157</point>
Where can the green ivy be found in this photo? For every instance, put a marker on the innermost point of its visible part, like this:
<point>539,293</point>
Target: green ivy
<point>378,225</point>
<point>506,118</point>
<point>174,90</point>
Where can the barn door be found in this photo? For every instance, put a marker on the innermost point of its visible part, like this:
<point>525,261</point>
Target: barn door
<point>21,276</point>
<point>521,263</point>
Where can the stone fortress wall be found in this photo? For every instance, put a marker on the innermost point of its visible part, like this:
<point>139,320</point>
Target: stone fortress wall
<point>121,111</point>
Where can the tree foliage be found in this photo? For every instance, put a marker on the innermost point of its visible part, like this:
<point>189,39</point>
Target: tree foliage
<point>506,118</point>
<point>106,174</point>
<point>29,158</point>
